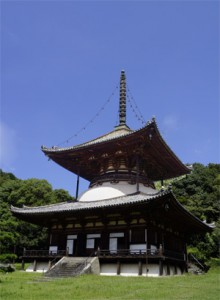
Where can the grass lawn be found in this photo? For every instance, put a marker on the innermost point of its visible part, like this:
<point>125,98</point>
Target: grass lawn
<point>22,285</point>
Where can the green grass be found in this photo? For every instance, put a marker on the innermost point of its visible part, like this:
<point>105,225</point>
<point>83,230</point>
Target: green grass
<point>21,285</point>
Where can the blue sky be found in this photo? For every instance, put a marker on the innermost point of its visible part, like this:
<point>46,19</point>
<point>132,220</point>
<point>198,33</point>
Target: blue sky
<point>61,63</point>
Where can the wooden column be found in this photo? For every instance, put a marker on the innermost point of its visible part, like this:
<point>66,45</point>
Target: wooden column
<point>168,268</point>
<point>140,268</point>
<point>175,269</point>
<point>160,267</point>
<point>77,186</point>
<point>118,267</point>
<point>22,264</point>
<point>34,265</point>
<point>137,174</point>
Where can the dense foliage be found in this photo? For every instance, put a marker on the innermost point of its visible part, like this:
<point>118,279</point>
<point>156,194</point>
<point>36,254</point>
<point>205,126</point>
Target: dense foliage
<point>16,234</point>
<point>199,192</point>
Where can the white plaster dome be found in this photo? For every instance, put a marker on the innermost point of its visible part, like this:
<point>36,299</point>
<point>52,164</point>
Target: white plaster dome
<point>108,190</point>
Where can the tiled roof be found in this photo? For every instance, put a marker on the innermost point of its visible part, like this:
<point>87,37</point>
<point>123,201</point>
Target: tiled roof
<point>41,214</point>
<point>160,160</point>
<point>76,206</point>
<point>118,132</point>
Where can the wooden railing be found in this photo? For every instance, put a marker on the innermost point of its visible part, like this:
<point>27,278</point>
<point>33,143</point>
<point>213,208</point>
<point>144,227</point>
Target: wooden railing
<point>174,255</point>
<point>129,252</point>
<point>44,253</point>
<point>141,253</point>
<point>192,259</point>
<point>111,253</point>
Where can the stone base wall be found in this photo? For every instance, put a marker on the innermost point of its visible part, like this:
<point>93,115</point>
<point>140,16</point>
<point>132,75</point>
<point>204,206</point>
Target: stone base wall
<point>152,270</point>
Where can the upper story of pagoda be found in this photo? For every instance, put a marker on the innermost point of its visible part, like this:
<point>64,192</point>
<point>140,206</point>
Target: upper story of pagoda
<point>122,154</point>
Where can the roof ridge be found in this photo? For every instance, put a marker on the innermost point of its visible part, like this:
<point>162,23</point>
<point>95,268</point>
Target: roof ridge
<point>100,138</point>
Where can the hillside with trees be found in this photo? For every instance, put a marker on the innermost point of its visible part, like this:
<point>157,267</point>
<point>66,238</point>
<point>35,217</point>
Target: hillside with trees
<point>198,192</point>
<point>16,234</point>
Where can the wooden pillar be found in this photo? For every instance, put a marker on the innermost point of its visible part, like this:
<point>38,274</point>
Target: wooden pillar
<point>146,242</point>
<point>160,267</point>
<point>34,265</point>
<point>168,268</point>
<point>182,269</point>
<point>160,250</point>
<point>137,174</point>
<point>49,265</point>
<point>175,269</point>
<point>140,268</point>
<point>22,264</point>
<point>77,186</point>
<point>118,267</point>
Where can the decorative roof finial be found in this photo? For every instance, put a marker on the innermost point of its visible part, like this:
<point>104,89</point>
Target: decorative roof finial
<point>122,104</point>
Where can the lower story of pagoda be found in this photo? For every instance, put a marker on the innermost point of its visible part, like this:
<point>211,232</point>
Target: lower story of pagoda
<point>136,251</point>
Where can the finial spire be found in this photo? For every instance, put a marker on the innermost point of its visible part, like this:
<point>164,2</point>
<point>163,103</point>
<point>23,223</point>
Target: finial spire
<point>122,104</point>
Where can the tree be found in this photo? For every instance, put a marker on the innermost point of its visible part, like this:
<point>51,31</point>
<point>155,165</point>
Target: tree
<point>199,192</point>
<point>16,234</point>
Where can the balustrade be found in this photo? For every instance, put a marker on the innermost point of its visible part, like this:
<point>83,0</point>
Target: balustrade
<point>44,253</point>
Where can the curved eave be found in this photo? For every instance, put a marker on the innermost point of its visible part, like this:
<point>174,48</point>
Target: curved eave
<point>118,133</point>
<point>174,214</point>
<point>181,213</point>
<point>70,207</point>
<point>161,162</point>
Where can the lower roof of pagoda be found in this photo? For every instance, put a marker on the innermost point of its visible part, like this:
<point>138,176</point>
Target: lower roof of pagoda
<point>157,159</point>
<point>161,207</point>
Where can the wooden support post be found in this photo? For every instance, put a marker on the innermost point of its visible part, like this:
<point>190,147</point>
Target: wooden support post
<point>49,265</point>
<point>183,268</point>
<point>140,268</point>
<point>146,251</point>
<point>160,250</point>
<point>35,265</point>
<point>77,186</point>
<point>137,174</point>
<point>168,268</point>
<point>22,264</point>
<point>160,267</point>
<point>118,267</point>
<point>175,269</point>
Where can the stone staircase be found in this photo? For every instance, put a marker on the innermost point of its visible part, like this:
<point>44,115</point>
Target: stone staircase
<point>73,266</point>
<point>195,266</point>
<point>193,269</point>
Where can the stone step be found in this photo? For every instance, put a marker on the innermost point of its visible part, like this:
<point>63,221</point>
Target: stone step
<point>194,269</point>
<point>67,266</point>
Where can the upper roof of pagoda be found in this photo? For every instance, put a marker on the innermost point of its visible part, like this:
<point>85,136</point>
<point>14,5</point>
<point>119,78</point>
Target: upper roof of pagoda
<point>157,159</point>
<point>160,161</point>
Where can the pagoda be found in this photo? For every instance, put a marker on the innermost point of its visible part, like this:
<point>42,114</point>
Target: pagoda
<point>121,219</point>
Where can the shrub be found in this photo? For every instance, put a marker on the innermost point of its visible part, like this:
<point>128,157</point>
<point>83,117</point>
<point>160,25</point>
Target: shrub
<point>7,268</point>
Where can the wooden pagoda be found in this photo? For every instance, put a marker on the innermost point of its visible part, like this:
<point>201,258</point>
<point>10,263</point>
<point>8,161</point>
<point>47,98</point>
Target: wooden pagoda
<point>122,219</point>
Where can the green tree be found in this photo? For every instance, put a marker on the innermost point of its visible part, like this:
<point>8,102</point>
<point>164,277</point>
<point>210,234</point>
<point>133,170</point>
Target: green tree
<point>16,234</point>
<point>199,192</point>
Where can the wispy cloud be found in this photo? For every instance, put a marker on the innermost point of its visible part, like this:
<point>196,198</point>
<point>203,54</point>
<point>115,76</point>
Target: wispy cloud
<point>7,147</point>
<point>170,123</point>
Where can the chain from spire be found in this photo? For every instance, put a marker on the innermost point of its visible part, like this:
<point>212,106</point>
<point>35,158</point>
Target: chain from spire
<point>91,120</point>
<point>134,107</point>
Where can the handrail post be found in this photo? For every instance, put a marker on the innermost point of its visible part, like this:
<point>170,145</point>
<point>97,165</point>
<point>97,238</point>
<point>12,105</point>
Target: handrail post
<point>160,250</point>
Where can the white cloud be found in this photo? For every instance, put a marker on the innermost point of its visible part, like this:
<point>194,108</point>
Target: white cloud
<point>7,147</point>
<point>170,123</point>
